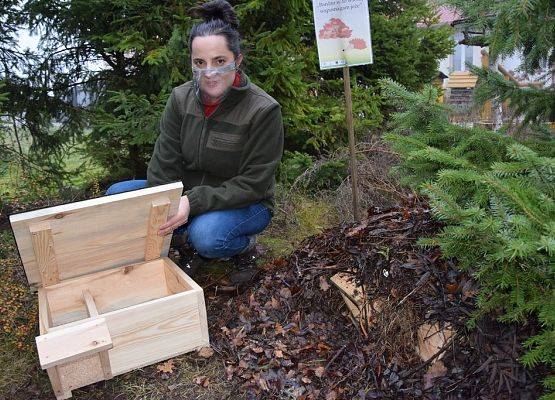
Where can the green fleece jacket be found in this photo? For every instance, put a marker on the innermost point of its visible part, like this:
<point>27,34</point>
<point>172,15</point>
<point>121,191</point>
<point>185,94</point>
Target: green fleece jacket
<point>227,160</point>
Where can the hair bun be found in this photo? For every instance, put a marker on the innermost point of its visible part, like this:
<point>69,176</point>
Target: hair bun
<point>217,9</point>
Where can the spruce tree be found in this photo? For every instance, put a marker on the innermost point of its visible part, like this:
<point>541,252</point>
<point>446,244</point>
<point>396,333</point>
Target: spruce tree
<point>496,198</point>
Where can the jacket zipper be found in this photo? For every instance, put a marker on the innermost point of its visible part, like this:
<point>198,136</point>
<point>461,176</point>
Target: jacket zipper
<point>201,139</point>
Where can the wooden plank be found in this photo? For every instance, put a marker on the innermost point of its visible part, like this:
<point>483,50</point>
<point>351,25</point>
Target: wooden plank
<point>70,324</point>
<point>154,331</point>
<point>189,283</point>
<point>112,290</point>
<point>43,249</point>
<point>358,304</point>
<point>106,366</point>
<point>158,216</point>
<point>59,392</point>
<point>73,343</point>
<point>184,279</point>
<point>174,281</point>
<point>97,234</point>
<point>45,317</point>
<point>432,338</point>
<point>347,286</point>
<point>89,303</point>
<point>350,305</point>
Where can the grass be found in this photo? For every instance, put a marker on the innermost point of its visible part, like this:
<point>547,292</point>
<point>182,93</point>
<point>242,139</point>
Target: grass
<point>16,184</point>
<point>297,217</point>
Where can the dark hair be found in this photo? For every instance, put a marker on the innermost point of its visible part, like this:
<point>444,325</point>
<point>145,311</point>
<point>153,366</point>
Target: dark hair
<point>219,19</point>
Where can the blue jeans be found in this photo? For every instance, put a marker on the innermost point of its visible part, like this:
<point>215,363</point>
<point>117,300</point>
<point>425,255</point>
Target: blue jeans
<point>215,234</point>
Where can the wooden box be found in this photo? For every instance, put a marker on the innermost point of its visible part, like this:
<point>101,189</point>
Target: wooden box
<point>110,300</point>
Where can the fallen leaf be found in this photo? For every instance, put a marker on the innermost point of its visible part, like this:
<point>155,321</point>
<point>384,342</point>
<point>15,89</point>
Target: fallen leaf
<point>285,292</point>
<point>279,330</point>
<point>319,372</point>
<point>278,353</point>
<point>206,352</point>
<point>357,229</point>
<point>275,303</point>
<point>229,370</point>
<point>306,380</point>
<point>435,370</point>
<point>431,338</point>
<point>323,347</point>
<point>262,384</point>
<point>452,288</point>
<point>166,367</point>
<point>279,262</point>
<point>331,395</point>
<point>324,285</point>
<point>202,380</point>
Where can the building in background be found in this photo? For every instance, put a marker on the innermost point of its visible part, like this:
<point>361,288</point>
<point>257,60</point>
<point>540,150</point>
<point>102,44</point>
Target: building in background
<point>458,82</point>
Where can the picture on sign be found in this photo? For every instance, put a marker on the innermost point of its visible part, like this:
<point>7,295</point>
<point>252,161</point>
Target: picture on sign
<point>342,33</point>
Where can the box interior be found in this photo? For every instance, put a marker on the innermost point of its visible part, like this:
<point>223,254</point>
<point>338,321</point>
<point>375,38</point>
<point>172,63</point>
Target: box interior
<point>111,290</point>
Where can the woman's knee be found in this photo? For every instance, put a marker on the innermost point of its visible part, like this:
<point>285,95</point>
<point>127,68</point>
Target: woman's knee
<point>126,186</point>
<point>207,239</point>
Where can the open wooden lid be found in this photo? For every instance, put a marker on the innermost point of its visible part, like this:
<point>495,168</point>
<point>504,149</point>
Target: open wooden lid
<point>81,238</point>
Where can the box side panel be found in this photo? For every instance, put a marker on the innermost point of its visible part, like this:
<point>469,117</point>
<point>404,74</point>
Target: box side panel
<point>174,280</point>
<point>174,273</point>
<point>110,290</point>
<point>185,279</point>
<point>94,235</point>
<point>154,331</point>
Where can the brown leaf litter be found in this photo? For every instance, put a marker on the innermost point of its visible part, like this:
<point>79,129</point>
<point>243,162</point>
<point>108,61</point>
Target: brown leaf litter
<point>292,336</point>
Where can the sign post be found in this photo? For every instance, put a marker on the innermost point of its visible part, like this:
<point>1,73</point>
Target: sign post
<point>344,40</point>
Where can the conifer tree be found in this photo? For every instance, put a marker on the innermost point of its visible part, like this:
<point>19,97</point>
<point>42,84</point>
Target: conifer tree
<point>497,200</point>
<point>143,44</point>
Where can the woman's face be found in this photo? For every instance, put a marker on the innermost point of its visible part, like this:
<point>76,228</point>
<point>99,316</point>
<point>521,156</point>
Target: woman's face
<point>212,52</point>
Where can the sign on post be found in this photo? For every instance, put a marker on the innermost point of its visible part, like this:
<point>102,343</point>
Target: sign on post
<point>342,33</point>
<point>343,38</point>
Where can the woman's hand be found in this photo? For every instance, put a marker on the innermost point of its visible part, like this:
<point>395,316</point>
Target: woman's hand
<point>178,219</point>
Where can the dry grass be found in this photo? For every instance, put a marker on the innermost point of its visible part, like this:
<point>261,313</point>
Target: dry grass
<point>297,217</point>
<point>377,187</point>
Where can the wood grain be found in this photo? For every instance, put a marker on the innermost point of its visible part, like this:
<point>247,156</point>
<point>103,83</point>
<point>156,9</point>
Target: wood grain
<point>54,376</point>
<point>112,290</point>
<point>89,303</point>
<point>94,235</point>
<point>150,332</point>
<point>158,216</point>
<point>43,249</point>
<point>106,365</point>
<point>73,343</point>
<point>45,317</point>
<point>359,305</point>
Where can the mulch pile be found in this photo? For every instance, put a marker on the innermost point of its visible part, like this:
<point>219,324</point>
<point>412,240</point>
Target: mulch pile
<point>291,335</point>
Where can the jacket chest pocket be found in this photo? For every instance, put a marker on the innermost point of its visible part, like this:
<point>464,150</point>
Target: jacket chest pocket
<point>223,153</point>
